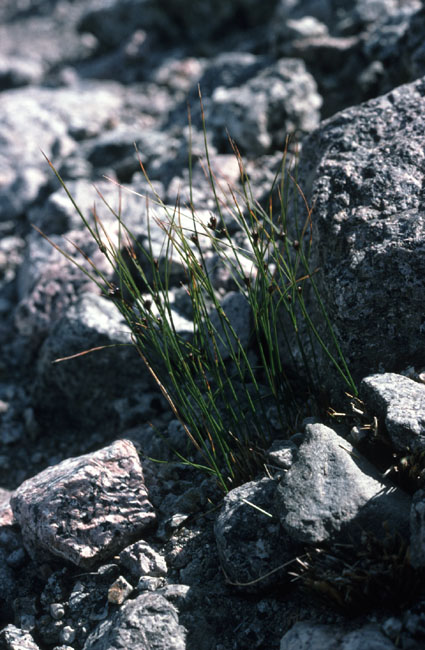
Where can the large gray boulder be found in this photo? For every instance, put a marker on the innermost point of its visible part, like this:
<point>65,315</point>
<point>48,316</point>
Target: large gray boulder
<point>363,170</point>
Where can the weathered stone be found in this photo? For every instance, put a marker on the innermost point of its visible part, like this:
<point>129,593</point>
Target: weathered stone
<point>147,622</point>
<point>363,169</point>
<point>258,115</point>
<point>331,492</point>
<point>400,403</point>
<point>142,560</point>
<point>13,638</point>
<point>249,536</point>
<point>85,509</point>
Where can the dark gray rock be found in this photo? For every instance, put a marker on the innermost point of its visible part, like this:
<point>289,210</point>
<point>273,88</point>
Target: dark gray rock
<point>235,329</point>
<point>400,403</point>
<point>85,509</point>
<point>114,21</point>
<point>313,636</point>
<point>363,171</point>
<point>213,18</point>
<point>331,492</point>
<point>249,537</point>
<point>87,386</point>
<point>149,622</point>
<point>417,530</point>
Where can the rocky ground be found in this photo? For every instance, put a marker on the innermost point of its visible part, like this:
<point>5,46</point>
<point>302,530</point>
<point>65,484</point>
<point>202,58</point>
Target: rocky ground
<point>101,547</point>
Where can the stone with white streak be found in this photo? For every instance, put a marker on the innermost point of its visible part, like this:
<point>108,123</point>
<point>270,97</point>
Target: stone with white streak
<point>85,509</point>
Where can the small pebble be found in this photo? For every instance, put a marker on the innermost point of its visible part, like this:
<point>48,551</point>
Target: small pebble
<point>119,591</point>
<point>67,634</point>
<point>57,611</point>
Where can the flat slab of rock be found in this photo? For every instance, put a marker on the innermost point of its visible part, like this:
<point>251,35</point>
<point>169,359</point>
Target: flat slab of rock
<point>331,491</point>
<point>85,509</point>
<point>400,403</point>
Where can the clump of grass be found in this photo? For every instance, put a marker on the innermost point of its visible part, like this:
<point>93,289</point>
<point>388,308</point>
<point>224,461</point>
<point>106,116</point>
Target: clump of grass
<point>376,574</point>
<point>219,387</point>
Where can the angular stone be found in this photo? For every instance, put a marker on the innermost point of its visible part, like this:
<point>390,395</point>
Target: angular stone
<point>400,403</point>
<point>85,509</point>
<point>332,492</point>
<point>142,560</point>
<point>13,638</point>
<point>86,386</point>
<point>147,622</point>
<point>282,98</point>
<point>249,536</point>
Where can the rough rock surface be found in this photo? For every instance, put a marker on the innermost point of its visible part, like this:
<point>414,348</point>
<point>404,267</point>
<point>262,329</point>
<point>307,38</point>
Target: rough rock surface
<point>149,621</point>
<point>363,171</point>
<point>84,509</point>
<point>249,538</point>
<point>331,492</point>
<point>13,638</point>
<point>400,402</point>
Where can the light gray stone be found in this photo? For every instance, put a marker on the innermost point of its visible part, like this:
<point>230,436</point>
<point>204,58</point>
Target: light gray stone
<point>400,403</point>
<point>13,638</point>
<point>46,119</point>
<point>85,509</point>
<point>332,492</point>
<point>142,560</point>
<point>149,622</point>
<point>258,115</point>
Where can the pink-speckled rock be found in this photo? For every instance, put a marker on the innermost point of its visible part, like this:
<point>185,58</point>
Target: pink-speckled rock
<point>6,514</point>
<point>85,509</point>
